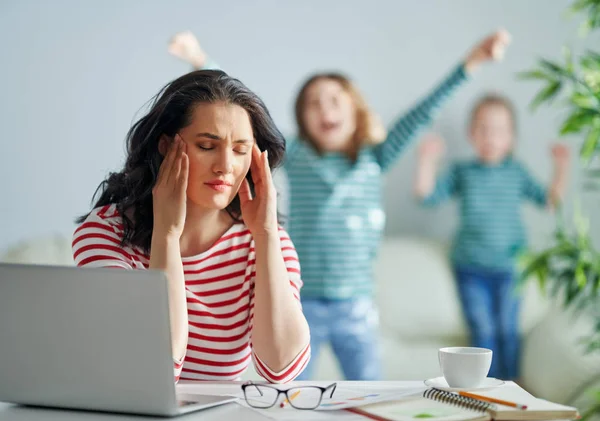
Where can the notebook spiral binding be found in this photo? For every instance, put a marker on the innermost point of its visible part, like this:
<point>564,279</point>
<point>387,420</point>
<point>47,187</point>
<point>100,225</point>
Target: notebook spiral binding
<point>457,400</point>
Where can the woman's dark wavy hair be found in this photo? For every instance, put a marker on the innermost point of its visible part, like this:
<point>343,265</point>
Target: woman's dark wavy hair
<point>171,110</point>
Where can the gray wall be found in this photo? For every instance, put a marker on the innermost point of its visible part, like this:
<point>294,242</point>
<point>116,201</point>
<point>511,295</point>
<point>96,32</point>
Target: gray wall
<point>75,74</point>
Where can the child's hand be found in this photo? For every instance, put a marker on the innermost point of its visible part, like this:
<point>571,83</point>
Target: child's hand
<point>490,48</point>
<point>560,155</point>
<point>376,131</point>
<point>185,46</point>
<point>432,148</point>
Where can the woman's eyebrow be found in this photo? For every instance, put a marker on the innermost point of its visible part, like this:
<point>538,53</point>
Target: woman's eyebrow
<point>213,136</point>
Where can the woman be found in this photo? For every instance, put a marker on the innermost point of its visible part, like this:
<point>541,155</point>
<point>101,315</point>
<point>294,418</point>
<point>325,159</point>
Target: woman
<point>196,200</point>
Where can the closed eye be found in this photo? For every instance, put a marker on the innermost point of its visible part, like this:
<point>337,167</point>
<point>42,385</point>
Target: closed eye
<point>205,146</point>
<point>242,150</point>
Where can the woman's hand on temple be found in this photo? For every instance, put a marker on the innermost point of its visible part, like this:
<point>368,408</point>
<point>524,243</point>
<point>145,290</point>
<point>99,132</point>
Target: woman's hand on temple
<point>259,212</point>
<point>169,193</point>
<point>490,48</point>
<point>185,46</point>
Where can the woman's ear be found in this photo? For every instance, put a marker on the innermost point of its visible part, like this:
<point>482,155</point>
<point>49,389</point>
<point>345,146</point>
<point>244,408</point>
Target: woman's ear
<point>163,144</point>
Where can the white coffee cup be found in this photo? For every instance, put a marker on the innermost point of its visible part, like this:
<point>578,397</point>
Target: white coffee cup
<point>465,367</point>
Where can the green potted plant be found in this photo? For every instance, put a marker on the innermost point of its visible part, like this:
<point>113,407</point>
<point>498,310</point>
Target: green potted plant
<point>569,270</point>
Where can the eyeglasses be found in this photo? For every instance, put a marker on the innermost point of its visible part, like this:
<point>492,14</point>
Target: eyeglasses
<point>264,396</point>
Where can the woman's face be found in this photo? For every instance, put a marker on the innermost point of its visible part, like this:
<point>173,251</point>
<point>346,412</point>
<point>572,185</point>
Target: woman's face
<point>219,144</point>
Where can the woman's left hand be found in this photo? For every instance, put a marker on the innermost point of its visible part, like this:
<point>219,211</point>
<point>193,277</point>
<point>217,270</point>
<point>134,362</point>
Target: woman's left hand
<point>259,212</point>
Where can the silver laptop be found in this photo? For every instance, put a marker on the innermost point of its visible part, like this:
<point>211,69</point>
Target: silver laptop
<point>92,339</point>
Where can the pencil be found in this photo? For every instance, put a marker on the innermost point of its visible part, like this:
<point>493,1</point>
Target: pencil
<point>294,396</point>
<point>492,400</point>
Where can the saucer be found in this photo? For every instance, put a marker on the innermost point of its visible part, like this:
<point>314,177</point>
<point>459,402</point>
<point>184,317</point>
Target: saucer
<point>441,383</point>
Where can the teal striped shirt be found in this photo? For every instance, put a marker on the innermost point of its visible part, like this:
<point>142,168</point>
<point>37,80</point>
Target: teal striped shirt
<point>491,232</point>
<point>336,218</point>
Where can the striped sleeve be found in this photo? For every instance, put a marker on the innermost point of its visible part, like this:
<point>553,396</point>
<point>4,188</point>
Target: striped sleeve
<point>289,373</point>
<point>445,187</point>
<point>177,368</point>
<point>531,189</point>
<point>297,365</point>
<point>408,126</point>
<point>97,243</point>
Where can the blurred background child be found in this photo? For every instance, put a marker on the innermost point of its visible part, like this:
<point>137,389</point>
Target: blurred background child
<point>490,190</point>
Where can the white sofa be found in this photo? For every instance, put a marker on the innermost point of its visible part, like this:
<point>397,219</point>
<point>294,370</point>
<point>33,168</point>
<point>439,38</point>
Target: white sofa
<point>420,312</point>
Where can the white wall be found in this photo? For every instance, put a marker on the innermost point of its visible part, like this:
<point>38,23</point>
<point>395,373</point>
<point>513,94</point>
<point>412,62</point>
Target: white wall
<point>75,73</point>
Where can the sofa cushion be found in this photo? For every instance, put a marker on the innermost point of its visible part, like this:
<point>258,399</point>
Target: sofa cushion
<point>554,362</point>
<point>417,296</point>
<point>54,250</point>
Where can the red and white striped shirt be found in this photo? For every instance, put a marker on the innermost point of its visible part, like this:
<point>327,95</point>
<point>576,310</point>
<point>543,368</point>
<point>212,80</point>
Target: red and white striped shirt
<point>220,295</point>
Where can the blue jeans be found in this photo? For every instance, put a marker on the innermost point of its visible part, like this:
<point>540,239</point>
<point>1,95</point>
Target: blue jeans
<point>491,306</point>
<point>351,326</point>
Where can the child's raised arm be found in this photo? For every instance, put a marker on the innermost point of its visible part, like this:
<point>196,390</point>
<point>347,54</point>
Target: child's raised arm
<point>552,197</point>
<point>428,190</point>
<point>407,127</point>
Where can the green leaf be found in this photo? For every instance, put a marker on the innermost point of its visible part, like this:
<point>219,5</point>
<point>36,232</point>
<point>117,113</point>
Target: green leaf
<point>582,224</point>
<point>584,100</point>
<point>591,186</point>
<point>568,55</point>
<point>593,55</point>
<point>592,173</point>
<point>554,68</point>
<point>578,120</point>
<point>580,277</point>
<point>542,276</point>
<point>591,412</point>
<point>578,6</point>
<point>545,94</point>
<point>590,61</point>
<point>534,74</point>
<point>590,144</point>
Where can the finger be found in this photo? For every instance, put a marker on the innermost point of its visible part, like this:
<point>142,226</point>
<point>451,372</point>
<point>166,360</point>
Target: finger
<point>183,152</point>
<point>165,166</point>
<point>171,175</point>
<point>183,175</point>
<point>266,173</point>
<point>255,167</point>
<point>244,192</point>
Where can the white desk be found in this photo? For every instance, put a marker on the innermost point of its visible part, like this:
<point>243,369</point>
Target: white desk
<point>227,412</point>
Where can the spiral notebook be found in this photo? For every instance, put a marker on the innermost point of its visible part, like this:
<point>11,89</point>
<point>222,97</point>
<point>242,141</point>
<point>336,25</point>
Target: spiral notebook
<point>442,405</point>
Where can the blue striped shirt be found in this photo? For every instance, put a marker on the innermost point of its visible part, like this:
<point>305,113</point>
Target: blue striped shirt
<point>336,218</point>
<point>491,232</point>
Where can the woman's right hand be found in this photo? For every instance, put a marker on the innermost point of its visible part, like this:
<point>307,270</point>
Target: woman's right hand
<point>185,46</point>
<point>432,148</point>
<point>169,194</point>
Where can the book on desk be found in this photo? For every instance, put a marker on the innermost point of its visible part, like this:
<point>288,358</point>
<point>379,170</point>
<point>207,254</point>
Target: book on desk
<point>437,404</point>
